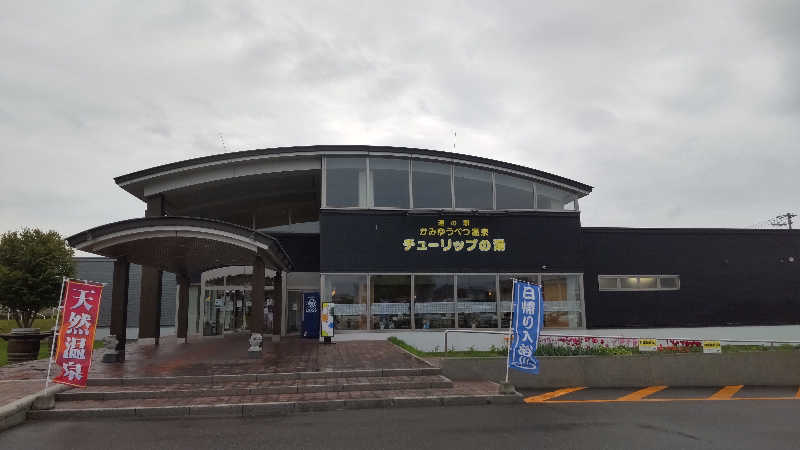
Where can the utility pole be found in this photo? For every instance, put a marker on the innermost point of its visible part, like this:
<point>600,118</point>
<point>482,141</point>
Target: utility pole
<point>783,220</point>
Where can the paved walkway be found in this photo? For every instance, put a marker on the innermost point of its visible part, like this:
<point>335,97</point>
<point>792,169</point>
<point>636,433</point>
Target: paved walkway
<point>228,356</point>
<point>217,356</point>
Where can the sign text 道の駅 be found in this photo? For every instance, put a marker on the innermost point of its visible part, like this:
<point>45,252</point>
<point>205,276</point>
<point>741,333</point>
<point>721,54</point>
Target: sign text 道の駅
<point>456,236</point>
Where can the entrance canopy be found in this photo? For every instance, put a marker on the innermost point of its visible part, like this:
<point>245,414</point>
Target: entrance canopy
<point>187,246</point>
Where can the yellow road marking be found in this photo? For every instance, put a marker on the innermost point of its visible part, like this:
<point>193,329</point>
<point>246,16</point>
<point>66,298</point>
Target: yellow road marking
<point>640,394</point>
<point>553,394</point>
<point>726,393</point>
<point>657,400</point>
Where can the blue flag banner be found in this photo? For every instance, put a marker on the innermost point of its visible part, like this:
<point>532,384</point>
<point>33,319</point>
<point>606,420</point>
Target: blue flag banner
<point>311,314</point>
<point>525,326</point>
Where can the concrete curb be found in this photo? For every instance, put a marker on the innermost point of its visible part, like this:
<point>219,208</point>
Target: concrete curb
<point>274,409</point>
<point>441,383</point>
<point>281,376</point>
<point>14,413</point>
<point>418,358</point>
<point>765,368</point>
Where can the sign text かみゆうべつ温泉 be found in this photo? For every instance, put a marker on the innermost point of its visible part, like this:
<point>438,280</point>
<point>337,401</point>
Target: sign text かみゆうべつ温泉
<point>454,235</point>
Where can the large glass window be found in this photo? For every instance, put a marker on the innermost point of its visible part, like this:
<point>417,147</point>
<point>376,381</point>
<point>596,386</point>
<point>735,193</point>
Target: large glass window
<point>473,187</point>
<point>434,305</point>
<point>513,192</point>
<point>607,283</point>
<point>638,283</point>
<point>349,295</point>
<point>391,301</point>
<point>548,197</point>
<point>507,294</point>
<point>346,182</point>
<point>431,185</point>
<point>477,301</point>
<point>389,180</point>
<point>562,301</point>
<point>669,282</point>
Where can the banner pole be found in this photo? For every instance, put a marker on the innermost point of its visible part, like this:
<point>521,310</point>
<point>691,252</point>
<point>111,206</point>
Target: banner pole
<point>510,328</point>
<point>55,332</point>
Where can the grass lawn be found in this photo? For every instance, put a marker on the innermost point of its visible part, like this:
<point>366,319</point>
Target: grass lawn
<point>43,324</point>
<point>44,350</point>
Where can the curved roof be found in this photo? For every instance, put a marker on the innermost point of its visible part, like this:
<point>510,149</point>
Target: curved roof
<point>186,245</point>
<point>223,158</point>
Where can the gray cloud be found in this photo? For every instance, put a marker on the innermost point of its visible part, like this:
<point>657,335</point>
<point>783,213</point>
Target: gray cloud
<point>680,113</point>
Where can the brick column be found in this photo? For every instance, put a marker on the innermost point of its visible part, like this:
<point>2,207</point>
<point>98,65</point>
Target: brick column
<point>277,306</point>
<point>256,319</point>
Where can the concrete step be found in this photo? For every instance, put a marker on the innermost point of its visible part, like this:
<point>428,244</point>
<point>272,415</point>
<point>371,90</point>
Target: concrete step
<point>237,387</point>
<point>286,376</point>
<point>467,388</point>
<point>465,393</point>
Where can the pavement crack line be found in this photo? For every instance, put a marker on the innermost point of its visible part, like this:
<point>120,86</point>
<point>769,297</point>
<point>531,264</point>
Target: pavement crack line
<point>648,426</point>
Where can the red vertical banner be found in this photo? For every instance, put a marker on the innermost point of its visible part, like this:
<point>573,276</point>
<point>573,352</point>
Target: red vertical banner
<point>80,310</point>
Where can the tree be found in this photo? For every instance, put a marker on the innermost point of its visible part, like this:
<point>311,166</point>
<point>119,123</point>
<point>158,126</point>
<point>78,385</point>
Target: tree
<point>32,264</point>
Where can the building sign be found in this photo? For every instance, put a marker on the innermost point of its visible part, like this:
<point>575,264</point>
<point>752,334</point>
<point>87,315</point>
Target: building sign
<point>648,345</point>
<point>81,306</point>
<point>712,347</point>
<point>454,235</point>
<point>434,242</point>
<point>326,320</point>
<point>526,323</point>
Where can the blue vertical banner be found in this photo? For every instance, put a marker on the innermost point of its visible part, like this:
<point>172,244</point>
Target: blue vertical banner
<point>311,314</point>
<point>525,327</point>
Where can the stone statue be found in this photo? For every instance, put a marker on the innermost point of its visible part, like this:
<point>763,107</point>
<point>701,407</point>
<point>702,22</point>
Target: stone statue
<point>256,341</point>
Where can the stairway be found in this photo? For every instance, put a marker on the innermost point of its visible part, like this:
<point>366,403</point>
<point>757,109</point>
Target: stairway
<point>268,394</point>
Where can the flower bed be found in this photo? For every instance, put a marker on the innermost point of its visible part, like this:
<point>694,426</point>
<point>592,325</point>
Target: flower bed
<point>589,346</point>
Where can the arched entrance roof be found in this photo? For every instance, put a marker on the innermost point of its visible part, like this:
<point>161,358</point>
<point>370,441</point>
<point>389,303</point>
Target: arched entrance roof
<point>182,245</point>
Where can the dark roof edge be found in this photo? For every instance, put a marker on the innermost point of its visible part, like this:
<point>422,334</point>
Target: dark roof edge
<point>699,231</point>
<point>353,148</point>
<point>219,225</point>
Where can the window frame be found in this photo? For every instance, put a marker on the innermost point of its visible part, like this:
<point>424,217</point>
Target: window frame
<point>410,275</point>
<point>658,287</point>
<point>411,186</point>
<point>454,275</point>
<point>453,187</point>
<point>533,184</point>
<point>369,200</point>
<point>370,187</point>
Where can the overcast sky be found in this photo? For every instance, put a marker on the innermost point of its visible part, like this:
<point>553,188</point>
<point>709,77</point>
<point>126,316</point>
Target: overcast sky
<point>680,114</point>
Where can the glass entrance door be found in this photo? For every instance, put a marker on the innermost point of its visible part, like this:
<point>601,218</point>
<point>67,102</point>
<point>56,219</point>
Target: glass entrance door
<point>294,312</point>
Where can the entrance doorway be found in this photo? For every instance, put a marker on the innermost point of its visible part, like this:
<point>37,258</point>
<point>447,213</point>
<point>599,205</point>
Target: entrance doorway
<point>294,313</point>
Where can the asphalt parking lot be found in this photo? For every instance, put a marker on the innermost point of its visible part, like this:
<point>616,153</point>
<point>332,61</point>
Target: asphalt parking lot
<point>660,394</point>
<point>669,418</point>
